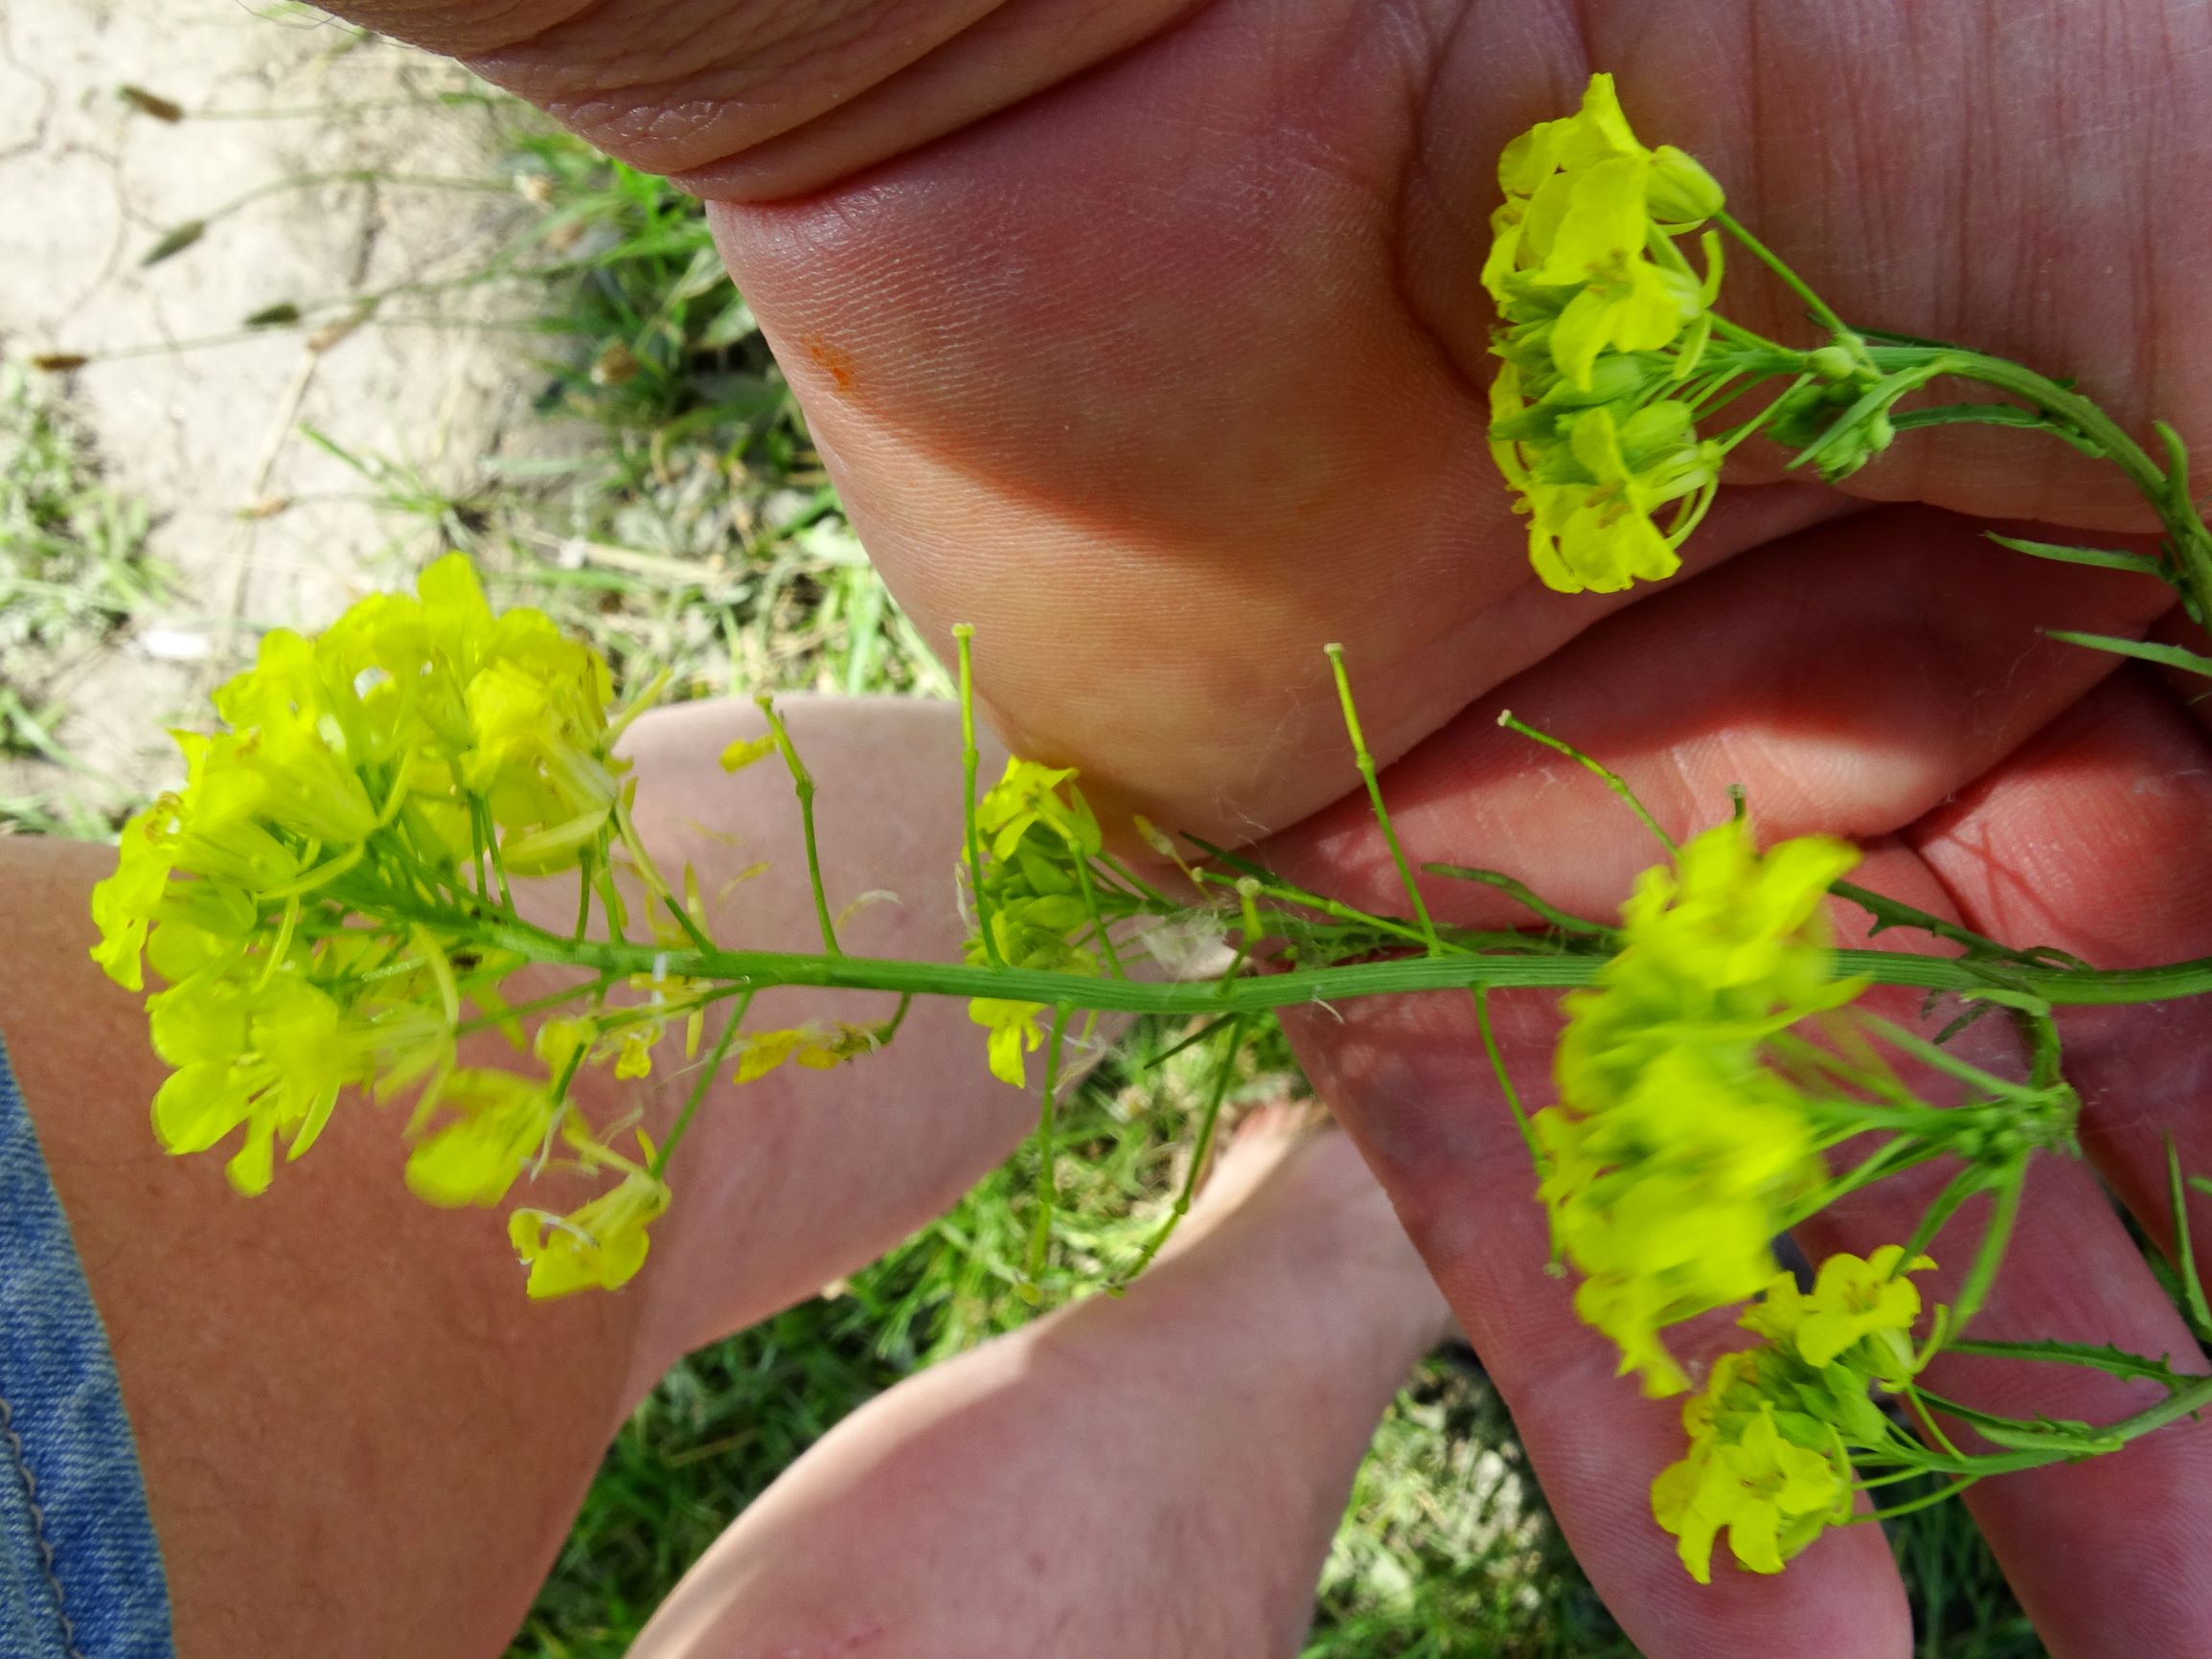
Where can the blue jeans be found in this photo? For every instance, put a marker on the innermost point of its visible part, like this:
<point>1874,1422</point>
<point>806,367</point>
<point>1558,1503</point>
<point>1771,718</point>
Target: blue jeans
<point>81,1575</point>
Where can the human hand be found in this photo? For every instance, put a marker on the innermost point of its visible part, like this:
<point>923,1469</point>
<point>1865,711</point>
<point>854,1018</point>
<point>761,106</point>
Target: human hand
<point>1187,333</point>
<point>1050,295</point>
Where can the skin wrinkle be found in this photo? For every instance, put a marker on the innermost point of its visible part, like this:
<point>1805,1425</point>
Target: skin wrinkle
<point>801,64</point>
<point>985,70</point>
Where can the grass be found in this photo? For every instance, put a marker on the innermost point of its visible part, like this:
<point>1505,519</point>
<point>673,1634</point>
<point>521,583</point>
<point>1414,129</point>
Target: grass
<point>677,513</point>
<point>678,516</point>
<point>74,570</point>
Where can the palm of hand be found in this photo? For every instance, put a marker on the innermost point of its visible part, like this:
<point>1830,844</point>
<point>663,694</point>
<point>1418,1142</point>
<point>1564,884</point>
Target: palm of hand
<point>1172,368</point>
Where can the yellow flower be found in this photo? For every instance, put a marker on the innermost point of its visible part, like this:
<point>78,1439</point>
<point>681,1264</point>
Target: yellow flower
<point>602,1243</point>
<point>1597,131</point>
<point>1033,884</point>
<point>1724,946</point>
<point>1571,245</point>
<point>205,927</point>
<point>1630,1309</point>
<point>1012,1026</point>
<point>1590,524</point>
<point>1676,1153</point>
<point>1027,794</point>
<point>536,708</point>
<point>637,1057</point>
<point>565,1043</point>
<point>1601,315</point>
<point>743,752</point>
<point>763,1051</point>
<point>1623,300</point>
<point>1738,919</point>
<point>286,738</point>
<point>1668,1199</point>
<point>223,829</point>
<point>1853,1298</point>
<point>1773,1497</point>
<point>269,1059</point>
<point>124,903</point>
<point>494,1124</point>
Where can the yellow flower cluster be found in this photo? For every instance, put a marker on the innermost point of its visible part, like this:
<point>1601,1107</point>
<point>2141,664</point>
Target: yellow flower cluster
<point>1772,1431</point>
<point>1602,318</point>
<point>409,760</point>
<point>1040,834</point>
<point>1676,1150</point>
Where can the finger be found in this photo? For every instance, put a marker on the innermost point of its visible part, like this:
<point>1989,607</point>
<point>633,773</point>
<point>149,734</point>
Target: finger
<point>1408,1079</point>
<point>981,330</point>
<point>2092,1549</point>
<point>1851,678</point>
<point>2094,839</point>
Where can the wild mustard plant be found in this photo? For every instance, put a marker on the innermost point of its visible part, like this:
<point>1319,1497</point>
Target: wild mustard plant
<point>329,905</point>
<point>1616,369</point>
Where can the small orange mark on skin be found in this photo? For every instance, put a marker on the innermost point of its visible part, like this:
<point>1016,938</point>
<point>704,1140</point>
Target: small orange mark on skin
<point>834,361</point>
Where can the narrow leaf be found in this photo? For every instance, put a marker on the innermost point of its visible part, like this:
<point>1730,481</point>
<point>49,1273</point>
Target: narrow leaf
<point>2144,651</point>
<point>1520,892</point>
<point>152,103</point>
<point>2184,1254</point>
<point>2101,557</point>
<point>2114,1361</point>
<point>173,241</point>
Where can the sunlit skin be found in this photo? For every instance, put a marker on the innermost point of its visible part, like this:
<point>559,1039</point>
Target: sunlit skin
<point>1146,336</point>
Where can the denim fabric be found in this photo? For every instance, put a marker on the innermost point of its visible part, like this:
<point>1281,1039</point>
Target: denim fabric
<point>81,1576</point>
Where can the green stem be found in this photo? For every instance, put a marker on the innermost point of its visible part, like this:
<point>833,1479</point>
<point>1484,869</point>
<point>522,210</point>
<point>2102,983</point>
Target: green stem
<point>2073,987</point>
<point>1889,913</point>
<point>1199,1149</point>
<point>1926,1501</point>
<point>1796,283</point>
<point>802,786</point>
<point>1505,1083</point>
<point>1097,917</point>
<point>538,1005</point>
<point>1365,761</point>
<point>1611,780</point>
<point>705,1082</point>
<point>1991,1255</point>
<point>2188,541</point>
<point>963,634</point>
<point>1047,1188</point>
<point>1282,893</point>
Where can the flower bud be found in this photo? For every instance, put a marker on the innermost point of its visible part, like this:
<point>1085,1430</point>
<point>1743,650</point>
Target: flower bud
<point>1831,363</point>
<point>1679,190</point>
